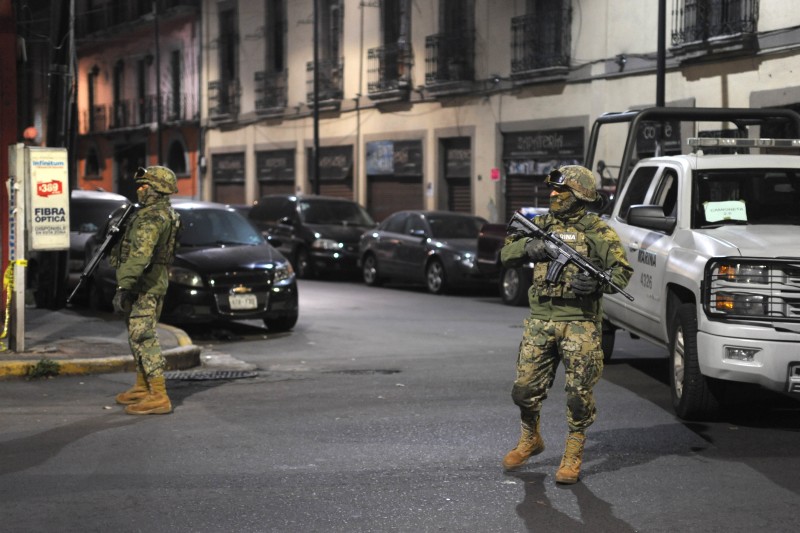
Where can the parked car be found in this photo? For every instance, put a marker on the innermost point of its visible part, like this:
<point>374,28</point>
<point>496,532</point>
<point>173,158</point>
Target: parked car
<point>436,248</point>
<point>88,212</point>
<point>223,269</point>
<point>513,283</point>
<point>318,234</point>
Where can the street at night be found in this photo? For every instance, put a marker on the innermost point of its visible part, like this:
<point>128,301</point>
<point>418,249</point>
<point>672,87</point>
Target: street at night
<point>386,409</point>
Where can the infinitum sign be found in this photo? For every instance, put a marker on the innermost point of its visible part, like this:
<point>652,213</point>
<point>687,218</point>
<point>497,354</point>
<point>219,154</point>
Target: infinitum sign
<point>48,199</point>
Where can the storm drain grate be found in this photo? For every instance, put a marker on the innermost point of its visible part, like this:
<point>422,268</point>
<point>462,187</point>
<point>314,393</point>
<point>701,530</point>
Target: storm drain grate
<point>365,371</point>
<point>209,375</point>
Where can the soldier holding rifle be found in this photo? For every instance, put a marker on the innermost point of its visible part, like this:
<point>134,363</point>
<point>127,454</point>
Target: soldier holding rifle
<point>141,258</point>
<point>566,313</point>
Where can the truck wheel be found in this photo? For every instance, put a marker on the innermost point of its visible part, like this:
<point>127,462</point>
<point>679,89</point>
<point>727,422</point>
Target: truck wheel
<point>609,336</point>
<point>514,285</point>
<point>692,397</point>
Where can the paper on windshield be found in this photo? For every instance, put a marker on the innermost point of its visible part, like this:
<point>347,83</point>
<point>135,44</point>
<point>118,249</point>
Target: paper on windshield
<point>729,210</point>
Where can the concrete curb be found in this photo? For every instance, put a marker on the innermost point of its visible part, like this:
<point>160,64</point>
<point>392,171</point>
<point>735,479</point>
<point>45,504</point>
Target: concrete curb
<point>186,355</point>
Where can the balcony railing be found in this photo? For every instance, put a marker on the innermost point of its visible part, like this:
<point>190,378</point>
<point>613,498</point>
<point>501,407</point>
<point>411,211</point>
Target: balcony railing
<point>223,98</point>
<point>701,20</point>
<point>140,111</point>
<point>389,69</point>
<point>329,78</point>
<point>116,12</point>
<point>449,58</point>
<point>541,41</point>
<point>271,91</point>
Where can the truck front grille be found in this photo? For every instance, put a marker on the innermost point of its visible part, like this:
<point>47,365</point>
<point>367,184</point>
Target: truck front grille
<point>752,288</point>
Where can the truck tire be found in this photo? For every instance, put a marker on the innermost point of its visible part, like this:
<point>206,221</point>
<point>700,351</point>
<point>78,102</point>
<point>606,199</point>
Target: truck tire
<point>607,342</point>
<point>514,284</point>
<point>692,397</point>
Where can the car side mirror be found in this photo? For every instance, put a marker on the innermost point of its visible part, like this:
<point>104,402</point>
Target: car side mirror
<point>418,233</point>
<point>274,241</point>
<point>286,221</point>
<point>650,217</point>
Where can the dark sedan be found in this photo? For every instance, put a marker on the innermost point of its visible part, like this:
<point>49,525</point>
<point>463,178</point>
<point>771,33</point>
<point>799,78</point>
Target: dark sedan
<point>223,269</point>
<point>435,248</point>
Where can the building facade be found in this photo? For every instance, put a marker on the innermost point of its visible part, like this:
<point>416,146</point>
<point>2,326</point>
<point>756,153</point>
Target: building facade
<point>138,82</point>
<point>461,105</point>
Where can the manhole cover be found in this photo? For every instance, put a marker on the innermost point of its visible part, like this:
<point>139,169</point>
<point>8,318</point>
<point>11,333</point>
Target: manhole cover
<point>366,371</point>
<point>207,375</point>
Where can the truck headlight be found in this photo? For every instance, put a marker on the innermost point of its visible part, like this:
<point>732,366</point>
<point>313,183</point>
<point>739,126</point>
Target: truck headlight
<point>184,276</point>
<point>743,273</point>
<point>741,304</point>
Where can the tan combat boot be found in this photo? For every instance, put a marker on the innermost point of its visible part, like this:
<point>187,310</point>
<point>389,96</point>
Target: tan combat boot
<point>570,468</point>
<point>530,443</point>
<point>155,403</point>
<point>135,393</point>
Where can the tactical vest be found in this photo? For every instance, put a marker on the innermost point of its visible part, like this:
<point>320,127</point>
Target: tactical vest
<point>164,252</point>
<point>574,235</point>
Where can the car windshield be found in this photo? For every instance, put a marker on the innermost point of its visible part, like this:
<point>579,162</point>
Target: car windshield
<point>746,196</point>
<point>455,227</point>
<point>88,217</point>
<point>333,212</point>
<point>215,227</point>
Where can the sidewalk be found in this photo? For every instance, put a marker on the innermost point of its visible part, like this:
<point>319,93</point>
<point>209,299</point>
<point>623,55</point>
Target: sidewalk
<point>81,341</point>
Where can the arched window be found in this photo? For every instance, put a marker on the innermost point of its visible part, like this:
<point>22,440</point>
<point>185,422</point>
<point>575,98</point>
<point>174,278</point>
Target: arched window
<point>176,158</point>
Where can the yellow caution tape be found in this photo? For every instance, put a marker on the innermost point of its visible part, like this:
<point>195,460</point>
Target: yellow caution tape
<point>8,288</point>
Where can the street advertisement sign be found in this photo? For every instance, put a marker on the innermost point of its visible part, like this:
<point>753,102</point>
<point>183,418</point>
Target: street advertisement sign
<point>47,198</point>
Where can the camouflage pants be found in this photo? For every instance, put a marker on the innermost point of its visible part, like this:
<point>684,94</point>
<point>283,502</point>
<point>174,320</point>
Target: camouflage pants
<point>544,344</point>
<point>142,336</point>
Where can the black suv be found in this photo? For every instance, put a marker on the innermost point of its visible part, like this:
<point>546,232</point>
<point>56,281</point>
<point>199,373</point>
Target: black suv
<point>318,234</point>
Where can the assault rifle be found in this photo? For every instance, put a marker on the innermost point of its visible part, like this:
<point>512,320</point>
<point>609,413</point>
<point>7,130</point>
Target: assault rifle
<point>563,252</point>
<point>113,235</point>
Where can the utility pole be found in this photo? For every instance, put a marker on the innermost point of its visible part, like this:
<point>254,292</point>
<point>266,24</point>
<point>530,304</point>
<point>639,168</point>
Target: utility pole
<point>316,98</point>
<point>661,58</point>
<point>159,150</point>
<point>53,266</point>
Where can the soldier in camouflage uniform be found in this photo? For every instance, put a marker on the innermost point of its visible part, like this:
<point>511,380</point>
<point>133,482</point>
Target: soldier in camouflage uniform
<point>565,320</point>
<point>141,259</point>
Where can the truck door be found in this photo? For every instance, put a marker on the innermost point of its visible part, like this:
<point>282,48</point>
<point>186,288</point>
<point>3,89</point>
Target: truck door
<point>646,249</point>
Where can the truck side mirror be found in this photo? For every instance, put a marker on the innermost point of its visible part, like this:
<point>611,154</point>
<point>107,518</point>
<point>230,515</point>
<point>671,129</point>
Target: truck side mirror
<point>650,217</point>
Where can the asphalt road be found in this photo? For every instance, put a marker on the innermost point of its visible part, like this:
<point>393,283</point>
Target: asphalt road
<point>386,409</point>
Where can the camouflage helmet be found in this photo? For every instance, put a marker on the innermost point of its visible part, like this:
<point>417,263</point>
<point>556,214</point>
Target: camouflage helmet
<point>576,178</point>
<point>161,179</point>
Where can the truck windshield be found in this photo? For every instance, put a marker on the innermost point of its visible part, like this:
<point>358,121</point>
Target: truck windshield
<point>746,196</point>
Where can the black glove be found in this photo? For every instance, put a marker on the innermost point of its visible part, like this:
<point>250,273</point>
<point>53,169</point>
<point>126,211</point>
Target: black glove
<point>583,284</point>
<point>537,250</point>
<point>122,301</point>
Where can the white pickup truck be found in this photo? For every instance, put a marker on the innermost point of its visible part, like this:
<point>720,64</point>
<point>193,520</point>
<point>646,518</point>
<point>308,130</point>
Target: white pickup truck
<point>714,241</point>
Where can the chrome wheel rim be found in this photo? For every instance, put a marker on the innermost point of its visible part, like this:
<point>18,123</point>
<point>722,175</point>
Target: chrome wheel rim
<point>435,277</point>
<point>678,363</point>
<point>510,284</point>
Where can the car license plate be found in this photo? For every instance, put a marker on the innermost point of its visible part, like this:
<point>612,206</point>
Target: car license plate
<point>240,302</point>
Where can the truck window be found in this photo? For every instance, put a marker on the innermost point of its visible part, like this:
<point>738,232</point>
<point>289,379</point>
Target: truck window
<point>745,196</point>
<point>637,189</point>
<point>667,193</point>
